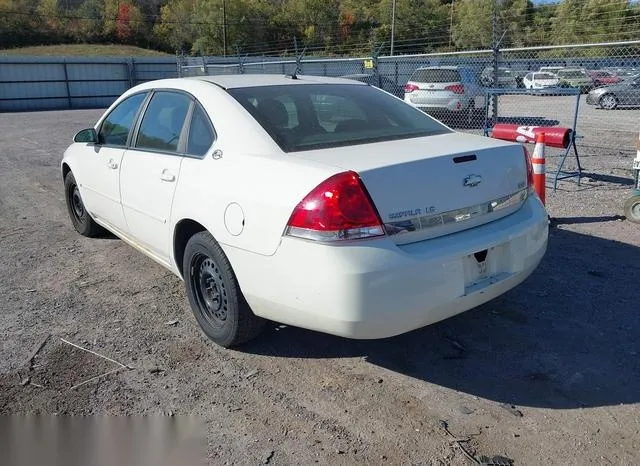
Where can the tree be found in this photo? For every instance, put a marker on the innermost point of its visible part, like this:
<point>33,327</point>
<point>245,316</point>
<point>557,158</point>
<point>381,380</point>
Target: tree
<point>472,28</point>
<point>175,28</point>
<point>123,21</point>
<point>90,25</point>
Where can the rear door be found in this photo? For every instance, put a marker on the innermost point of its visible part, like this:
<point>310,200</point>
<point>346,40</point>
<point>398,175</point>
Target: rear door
<point>151,168</point>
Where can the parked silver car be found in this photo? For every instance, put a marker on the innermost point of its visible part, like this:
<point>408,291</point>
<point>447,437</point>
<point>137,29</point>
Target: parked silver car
<point>623,94</point>
<point>444,88</point>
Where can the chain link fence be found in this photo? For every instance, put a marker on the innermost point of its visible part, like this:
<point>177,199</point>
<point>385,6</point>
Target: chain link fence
<point>456,87</point>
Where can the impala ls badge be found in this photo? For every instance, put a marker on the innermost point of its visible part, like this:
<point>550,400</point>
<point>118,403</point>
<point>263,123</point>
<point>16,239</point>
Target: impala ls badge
<point>472,180</point>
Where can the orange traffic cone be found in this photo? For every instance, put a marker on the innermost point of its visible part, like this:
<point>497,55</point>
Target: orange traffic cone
<point>537,160</point>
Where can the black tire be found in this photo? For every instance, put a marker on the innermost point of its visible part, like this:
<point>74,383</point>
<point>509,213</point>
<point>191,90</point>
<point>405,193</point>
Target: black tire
<point>608,102</point>
<point>214,294</point>
<point>632,209</point>
<point>80,218</point>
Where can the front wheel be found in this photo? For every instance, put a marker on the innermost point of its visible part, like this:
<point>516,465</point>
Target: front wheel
<point>214,294</point>
<point>608,101</point>
<point>632,209</point>
<point>80,218</point>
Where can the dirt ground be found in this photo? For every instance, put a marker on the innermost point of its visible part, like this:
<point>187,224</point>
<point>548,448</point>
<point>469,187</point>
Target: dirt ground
<point>547,374</point>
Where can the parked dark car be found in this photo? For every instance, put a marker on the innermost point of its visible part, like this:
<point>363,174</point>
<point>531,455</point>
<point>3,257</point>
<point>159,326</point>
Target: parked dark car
<point>386,84</point>
<point>624,94</point>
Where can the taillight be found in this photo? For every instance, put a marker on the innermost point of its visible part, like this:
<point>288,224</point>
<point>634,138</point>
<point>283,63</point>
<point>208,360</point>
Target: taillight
<point>527,159</point>
<point>455,88</point>
<point>339,208</point>
<point>409,88</point>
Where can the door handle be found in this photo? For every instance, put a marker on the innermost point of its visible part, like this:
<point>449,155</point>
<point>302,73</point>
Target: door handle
<point>166,176</point>
<point>112,164</point>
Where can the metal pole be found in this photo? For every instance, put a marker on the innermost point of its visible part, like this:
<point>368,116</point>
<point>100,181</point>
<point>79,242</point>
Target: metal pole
<point>451,25</point>
<point>393,23</point>
<point>66,82</point>
<point>224,28</point>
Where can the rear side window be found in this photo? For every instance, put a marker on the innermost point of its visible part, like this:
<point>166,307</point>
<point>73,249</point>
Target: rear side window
<point>201,134</point>
<point>163,120</point>
<point>115,129</point>
<point>436,76</point>
<point>332,115</point>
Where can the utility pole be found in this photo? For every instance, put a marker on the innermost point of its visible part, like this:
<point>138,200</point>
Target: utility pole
<point>393,23</point>
<point>224,28</point>
<point>451,24</point>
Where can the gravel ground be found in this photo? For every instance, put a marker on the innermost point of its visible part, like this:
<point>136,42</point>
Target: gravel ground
<point>547,374</point>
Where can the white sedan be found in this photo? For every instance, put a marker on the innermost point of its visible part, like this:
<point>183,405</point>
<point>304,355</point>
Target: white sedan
<point>540,80</point>
<point>316,202</point>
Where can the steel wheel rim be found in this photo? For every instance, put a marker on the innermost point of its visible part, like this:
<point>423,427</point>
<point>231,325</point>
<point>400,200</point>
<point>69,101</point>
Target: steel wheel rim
<point>77,207</point>
<point>209,290</point>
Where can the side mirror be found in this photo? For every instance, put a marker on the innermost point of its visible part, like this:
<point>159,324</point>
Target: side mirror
<point>86,135</point>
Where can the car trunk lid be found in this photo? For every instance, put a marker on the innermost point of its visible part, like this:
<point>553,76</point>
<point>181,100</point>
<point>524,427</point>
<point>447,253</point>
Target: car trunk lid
<point>436,185</point>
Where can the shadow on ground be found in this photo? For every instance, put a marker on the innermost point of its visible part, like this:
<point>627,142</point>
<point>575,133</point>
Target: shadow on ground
<point>566,338</point>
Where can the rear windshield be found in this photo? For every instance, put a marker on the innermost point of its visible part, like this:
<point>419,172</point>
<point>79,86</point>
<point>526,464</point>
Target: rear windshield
<point>318,116</point>
<point>435,76</point>
<point>544,76</point>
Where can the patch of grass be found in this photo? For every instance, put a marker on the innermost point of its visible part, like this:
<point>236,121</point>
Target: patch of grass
<point>84,50</point>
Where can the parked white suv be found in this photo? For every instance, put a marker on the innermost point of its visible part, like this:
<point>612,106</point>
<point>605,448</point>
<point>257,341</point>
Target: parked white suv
<point>322,203</point>
<point>444,88</point>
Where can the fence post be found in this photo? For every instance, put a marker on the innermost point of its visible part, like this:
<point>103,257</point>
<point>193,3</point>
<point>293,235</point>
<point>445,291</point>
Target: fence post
<point>299,57</point>
<point>240,60</point>
<point>374,58</point>
<point>205,70</point>
<point>396,73</point>
<point>178,64</point>
<point>66,82</point>
<point>132,72</point>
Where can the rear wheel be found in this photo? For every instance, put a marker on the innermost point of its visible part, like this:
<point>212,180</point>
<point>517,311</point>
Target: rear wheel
<point>632,209</point>
<point>80,218</point>
<point>608,101</point>
<point>214,294</point>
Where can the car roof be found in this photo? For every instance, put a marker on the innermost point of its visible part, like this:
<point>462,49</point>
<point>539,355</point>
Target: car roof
<point>443,67</point>
<point>253,80</point>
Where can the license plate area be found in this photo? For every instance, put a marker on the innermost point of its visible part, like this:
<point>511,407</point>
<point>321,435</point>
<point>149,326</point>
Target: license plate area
<point>486,267</point>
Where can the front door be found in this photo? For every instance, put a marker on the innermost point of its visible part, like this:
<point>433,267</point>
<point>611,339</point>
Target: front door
<point>99,170</point>
<point>150,171</point>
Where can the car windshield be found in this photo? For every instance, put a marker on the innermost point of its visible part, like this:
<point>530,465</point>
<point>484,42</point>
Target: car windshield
<point>544,76</point>
<point>318,116</point>
<point>436,76</point>
<point>571,74</point>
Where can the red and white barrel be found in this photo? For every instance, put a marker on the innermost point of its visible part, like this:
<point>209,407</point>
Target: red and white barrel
<point>555,136</point>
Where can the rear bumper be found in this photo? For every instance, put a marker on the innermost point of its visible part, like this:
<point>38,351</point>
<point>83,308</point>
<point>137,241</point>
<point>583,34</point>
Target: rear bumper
<point>376,289</point>
<point>453,104</point>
